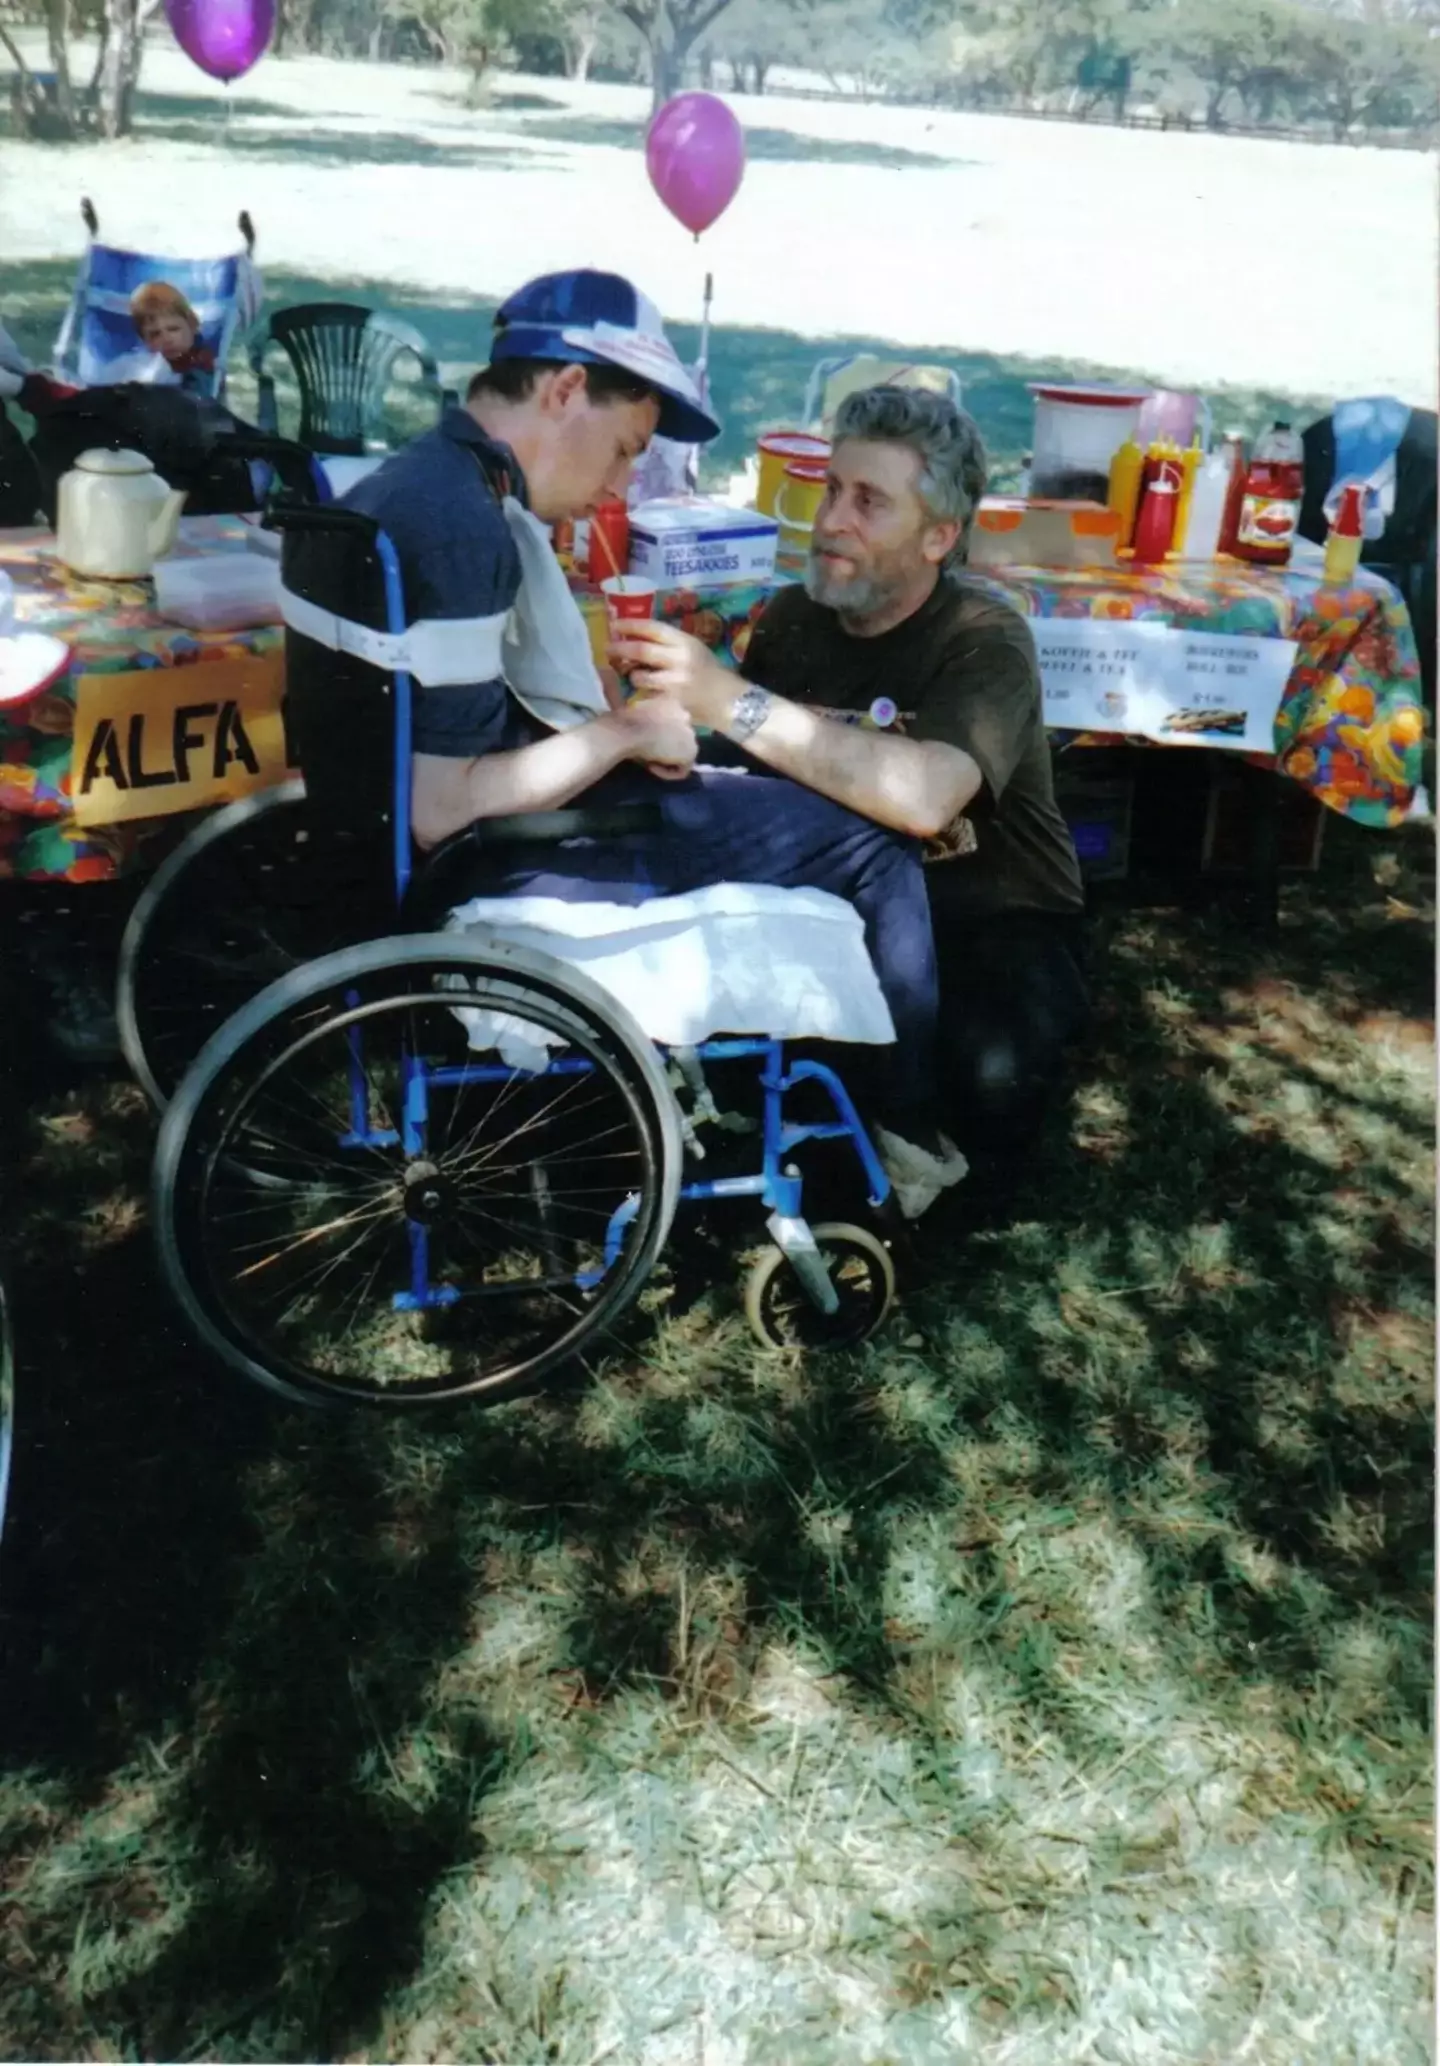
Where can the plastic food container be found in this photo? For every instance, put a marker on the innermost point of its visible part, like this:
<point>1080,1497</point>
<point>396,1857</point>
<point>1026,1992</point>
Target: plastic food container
<point>1078,431</point>
<point>1011,533</point>
<point>221,592</point>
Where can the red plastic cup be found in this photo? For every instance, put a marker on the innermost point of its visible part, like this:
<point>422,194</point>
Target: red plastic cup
<point>627,597</point>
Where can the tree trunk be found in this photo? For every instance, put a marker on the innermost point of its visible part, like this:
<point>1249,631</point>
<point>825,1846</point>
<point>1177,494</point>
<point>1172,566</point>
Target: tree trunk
<point>758,69</point>
<point>57,29</point>
<point>667,71</point>
<point>118,70</point>
<point>582,53</point>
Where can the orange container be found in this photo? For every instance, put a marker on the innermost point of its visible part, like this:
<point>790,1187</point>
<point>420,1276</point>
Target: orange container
<point>777,450</point>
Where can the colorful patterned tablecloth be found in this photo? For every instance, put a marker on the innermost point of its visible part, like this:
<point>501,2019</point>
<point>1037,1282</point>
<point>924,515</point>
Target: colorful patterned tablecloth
<point>111,627</point>
<point>1349,728</point>
<point>1350,723</point>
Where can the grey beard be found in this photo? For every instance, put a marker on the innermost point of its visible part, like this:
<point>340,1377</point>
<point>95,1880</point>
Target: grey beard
<point>854,598</point>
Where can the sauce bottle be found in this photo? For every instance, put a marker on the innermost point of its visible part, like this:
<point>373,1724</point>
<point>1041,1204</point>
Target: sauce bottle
<point>1124,494</point>
<point>1270,504</point>
<point>1342,547</point>
<point>1206,515</point>
<point>1232,446</point>
<point>1156,528</point>
<point>1190,462</point>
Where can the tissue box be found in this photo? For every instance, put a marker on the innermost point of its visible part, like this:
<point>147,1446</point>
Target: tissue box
<point>686,542</point>
<point>1014,533</point>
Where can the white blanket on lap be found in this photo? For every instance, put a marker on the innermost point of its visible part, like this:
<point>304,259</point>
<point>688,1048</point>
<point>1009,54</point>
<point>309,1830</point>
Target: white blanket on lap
<point>741,958</point>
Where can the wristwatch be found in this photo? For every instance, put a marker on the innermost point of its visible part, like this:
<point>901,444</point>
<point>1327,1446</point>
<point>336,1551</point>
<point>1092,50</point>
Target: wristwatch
<point>748,712</point>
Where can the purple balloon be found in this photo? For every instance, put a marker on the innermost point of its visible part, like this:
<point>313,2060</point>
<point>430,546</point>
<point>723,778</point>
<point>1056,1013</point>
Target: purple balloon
<point>695,155</point>
<point>223,37</point>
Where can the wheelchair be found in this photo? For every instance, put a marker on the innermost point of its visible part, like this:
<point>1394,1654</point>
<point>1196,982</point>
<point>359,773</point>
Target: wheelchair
<point>424,1165</point>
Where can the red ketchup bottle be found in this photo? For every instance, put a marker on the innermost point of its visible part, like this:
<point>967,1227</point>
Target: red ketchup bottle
<point>1233,446</point>
<point>1155,526</point>
<point>1270,504</point>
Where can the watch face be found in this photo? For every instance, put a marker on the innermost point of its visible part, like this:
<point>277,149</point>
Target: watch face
<point>882,712</point>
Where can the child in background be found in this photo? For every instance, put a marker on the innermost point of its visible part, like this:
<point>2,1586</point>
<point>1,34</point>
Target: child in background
<point>168,326</point>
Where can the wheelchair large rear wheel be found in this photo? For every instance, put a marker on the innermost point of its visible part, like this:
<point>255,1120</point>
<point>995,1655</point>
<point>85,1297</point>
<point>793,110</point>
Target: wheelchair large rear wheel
<point>352,1203</point>
<point>252,892</point>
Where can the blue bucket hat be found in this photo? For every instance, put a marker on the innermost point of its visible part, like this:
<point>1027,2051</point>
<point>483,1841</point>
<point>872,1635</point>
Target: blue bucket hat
<point>599,319</point>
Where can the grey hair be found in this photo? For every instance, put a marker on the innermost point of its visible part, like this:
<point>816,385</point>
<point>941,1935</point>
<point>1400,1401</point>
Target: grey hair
<point>953,464</point>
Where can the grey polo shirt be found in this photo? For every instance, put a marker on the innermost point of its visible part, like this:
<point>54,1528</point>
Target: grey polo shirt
<point>457,559</point>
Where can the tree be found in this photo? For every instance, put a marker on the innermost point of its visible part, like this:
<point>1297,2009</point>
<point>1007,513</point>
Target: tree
<point>106,106</point>
<point>670,30</point>
<point>1226,47</point>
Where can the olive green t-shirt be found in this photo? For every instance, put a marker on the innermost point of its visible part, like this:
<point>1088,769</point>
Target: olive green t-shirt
<point>963,670</point>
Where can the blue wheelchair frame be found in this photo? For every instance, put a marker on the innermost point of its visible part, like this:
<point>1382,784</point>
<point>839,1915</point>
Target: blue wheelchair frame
<point>777,1184</point>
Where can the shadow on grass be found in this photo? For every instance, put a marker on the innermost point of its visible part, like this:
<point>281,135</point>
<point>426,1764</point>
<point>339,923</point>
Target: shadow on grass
<point>370,147</point>
<point>787,146</point>
<point>277,1663</point>
<point>211,112</point>
<point>758,376</point>
<point>231,1623</point>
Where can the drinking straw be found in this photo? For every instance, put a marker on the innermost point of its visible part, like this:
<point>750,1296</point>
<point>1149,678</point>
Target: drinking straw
<point>608,549</point>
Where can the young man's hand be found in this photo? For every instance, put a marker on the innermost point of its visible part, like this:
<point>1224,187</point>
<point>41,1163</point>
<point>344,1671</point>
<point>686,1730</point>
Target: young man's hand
<point>663,660</point>
<point>658,731</point>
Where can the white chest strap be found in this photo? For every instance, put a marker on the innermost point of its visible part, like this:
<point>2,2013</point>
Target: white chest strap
<point>438,652</point>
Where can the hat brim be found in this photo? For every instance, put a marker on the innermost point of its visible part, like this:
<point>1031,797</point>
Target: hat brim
<point>683,417</point>
<point>30,661</point>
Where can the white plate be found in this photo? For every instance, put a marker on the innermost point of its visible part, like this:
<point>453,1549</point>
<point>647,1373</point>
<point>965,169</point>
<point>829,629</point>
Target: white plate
<point>30,661</point>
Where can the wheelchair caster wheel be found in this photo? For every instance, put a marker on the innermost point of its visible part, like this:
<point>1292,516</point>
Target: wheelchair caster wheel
<point>781,1313</point>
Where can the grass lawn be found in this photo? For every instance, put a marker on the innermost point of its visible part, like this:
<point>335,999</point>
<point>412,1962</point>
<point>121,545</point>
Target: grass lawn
<point>758,376</point>
<point>1048,1683</point>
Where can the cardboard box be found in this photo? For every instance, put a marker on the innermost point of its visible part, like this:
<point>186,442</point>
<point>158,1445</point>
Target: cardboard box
<point>1011,532</point>
<point>687,542</point>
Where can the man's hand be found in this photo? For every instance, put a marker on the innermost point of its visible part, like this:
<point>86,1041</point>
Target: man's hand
<point>663,660</point>
<point>657,730</point>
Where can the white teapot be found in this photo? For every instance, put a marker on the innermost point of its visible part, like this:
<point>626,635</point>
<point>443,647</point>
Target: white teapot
<point>116,516</point>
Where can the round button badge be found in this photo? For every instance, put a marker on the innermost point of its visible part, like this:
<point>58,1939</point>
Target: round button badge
<point>882,712</point>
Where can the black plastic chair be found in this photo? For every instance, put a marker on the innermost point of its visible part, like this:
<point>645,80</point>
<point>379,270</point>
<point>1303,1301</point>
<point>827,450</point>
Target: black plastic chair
<point>343,357</point>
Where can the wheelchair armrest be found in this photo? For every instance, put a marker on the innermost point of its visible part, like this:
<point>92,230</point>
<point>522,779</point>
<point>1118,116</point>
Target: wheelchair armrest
<point>320,516</point>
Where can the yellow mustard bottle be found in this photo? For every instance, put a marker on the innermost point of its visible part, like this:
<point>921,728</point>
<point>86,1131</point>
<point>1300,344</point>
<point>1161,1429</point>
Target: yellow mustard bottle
<point>1124,490</point>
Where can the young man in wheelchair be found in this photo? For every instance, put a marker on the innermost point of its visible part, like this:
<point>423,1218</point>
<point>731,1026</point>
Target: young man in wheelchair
<point>581,377</point>
<point>900,688</point>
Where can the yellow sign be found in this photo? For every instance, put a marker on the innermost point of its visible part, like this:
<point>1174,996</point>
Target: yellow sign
<point>163,739</point>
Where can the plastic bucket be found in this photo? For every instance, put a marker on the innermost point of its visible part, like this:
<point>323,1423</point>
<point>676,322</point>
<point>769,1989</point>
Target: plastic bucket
<point>777,449</point>
<point>1078,431</point>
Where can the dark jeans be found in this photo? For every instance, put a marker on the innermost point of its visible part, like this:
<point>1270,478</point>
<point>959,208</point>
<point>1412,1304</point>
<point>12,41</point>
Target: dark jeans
<point>1013,999</point>
<point>721,827</point>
